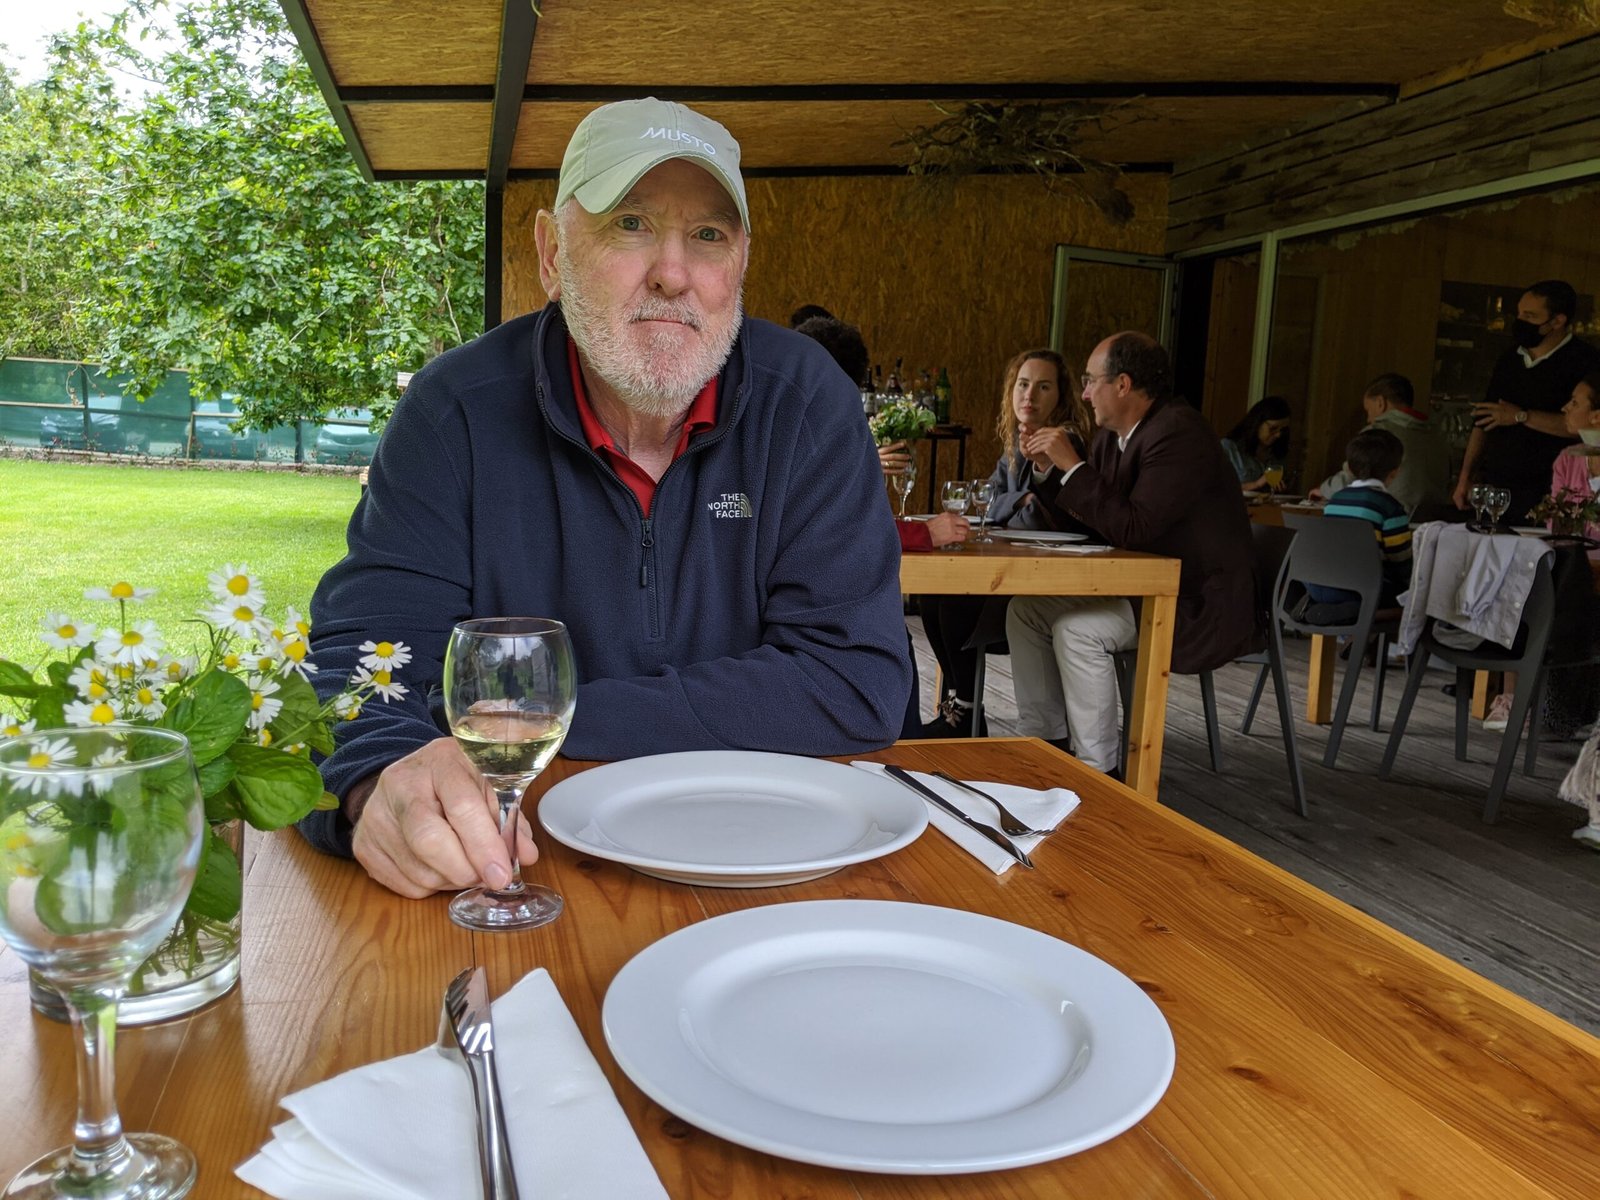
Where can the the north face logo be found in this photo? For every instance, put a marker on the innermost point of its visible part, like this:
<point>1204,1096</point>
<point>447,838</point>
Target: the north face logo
<point>731,506</point>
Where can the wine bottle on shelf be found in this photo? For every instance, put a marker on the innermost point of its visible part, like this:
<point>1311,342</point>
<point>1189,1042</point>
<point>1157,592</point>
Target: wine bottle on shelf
<point>869,394</point>
<point>941,398</point>
<point>894,380</point>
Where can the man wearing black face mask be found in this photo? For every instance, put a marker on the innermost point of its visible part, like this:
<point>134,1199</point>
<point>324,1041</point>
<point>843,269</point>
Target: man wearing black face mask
<point>1519,427</point>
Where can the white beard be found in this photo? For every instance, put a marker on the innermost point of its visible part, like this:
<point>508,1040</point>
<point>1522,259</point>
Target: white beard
<point>650,373</point>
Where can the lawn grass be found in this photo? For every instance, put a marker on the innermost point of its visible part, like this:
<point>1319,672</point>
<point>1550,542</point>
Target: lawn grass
<point>65,527</point>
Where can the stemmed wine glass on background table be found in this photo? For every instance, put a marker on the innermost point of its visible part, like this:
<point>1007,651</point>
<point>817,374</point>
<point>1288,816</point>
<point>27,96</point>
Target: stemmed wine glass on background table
<point>99,844</point>
<point>1496,500</point>
<point>904,483</point>
<point>509,692</point>
<point>1478,496</point>
<point>955,499</point>
<point>982,493</point>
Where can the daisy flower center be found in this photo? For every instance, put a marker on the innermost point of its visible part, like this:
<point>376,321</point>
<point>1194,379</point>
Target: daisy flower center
<point>146,696</point>
<point>381,678</point>
<point>132,638</point>
<point>296,651</point>
<point>239,584</point>
<point>102,714</point>
<point>122,591</point>
<point>230,661</point>
<point>244,613</point>
<point>255,701</point>
<point>384,649</point>
<point>38,760</point>
<point>67,631</point>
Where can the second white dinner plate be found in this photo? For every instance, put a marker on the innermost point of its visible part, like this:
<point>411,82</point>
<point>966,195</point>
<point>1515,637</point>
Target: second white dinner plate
<point>881,1036</point>
<point>732,818</point>
<point>1037,537</point>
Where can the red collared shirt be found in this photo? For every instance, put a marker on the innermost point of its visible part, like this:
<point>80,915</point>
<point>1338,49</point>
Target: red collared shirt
<point>701,417</point>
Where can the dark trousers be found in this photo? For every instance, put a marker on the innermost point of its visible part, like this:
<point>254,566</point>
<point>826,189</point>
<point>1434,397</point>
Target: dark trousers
<point>949,621</point>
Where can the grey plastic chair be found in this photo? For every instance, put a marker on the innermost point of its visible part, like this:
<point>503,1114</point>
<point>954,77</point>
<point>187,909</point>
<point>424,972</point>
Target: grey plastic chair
<point>1526,657</point>
<point>1335,552</point>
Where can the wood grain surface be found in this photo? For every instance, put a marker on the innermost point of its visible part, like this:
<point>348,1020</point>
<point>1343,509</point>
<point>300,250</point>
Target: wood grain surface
<point>1320,1054</point>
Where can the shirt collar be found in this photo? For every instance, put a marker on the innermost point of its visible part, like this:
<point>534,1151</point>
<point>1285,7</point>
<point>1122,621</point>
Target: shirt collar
<point>1122,442</point>
<point>702,410</point>
<point>1529,360</point>
<point>1376,484</point>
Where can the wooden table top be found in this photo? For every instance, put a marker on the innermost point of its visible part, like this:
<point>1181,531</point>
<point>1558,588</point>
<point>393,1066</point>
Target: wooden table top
<point>1007,569</point>
<point>1319,1054</point>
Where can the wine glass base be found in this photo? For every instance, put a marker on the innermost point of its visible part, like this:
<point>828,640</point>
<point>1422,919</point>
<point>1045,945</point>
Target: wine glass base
<point>983,539</point>
<point>156,1168</point>
<point>529,908</point>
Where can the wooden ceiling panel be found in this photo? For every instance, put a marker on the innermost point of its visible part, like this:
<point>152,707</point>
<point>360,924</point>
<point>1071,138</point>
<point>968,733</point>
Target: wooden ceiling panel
<point>858,134</point>
<point>754,42</point>
<point>424,137</point>
<point>375,43</point>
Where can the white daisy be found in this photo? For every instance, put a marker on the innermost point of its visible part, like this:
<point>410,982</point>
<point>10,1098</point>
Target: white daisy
<point>130,647</point>
<point>87,713</point>
<point>47,765</point>
<point>15,727</point>
<point>299,624</point>
<point>61,632</point>
<point>236,585</point>
<point>264,737</point>
<point>144,701</point>
<point>381,682</point>
<point>91,680</point>
<point>385,656</point>
<point>178,668</point>
<point>110,757</point>
<point>120,590</point>
<point>263,708</point>
<point>242,619</point>
<point>346,706</point>
<point>294,658</point>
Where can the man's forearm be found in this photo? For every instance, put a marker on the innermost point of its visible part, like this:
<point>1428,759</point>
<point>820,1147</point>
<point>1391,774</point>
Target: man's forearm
<point>1474,449</point>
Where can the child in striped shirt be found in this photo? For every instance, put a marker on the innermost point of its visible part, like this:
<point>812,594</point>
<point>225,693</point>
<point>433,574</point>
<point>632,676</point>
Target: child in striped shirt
<point>1373,459</point>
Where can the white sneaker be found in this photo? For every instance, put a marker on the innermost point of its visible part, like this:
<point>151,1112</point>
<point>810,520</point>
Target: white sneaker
<point>1589,835</point>
<point>1499,713</point>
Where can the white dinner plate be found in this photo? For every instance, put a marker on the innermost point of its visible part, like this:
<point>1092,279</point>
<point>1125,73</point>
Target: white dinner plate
<point>880,1036</point>
<point>971,520</point>
<point>1531,530</point>
<point>1037,537</point>
<point>732,818</point>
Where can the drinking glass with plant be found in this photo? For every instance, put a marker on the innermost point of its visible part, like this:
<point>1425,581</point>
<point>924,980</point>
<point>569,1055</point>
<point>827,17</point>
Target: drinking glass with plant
<point>240,692</point>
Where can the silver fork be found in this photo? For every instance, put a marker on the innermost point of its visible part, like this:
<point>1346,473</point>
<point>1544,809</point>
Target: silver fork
<point>1009,822</point>
<point>466,1035</point>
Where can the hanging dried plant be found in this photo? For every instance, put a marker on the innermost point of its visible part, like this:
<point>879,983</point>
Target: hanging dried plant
<point>982,137</point>
<point>1583,14</point>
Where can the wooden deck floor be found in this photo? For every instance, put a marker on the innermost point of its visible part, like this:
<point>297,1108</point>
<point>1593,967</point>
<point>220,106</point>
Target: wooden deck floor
<point>1517,902</point>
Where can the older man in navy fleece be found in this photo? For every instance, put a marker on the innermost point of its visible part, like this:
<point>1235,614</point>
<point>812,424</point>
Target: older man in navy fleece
<point>693,492</point>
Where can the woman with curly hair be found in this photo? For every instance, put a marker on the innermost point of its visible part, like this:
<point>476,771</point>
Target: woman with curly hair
<point>1037,391</point>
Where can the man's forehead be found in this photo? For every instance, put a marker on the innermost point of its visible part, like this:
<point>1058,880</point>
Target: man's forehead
<point>684,184</point>
<point>1533,302</point>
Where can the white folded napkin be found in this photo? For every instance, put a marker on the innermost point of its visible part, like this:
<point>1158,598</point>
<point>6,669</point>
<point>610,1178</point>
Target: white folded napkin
<point>1040,809</point>
<point>405,1128</point>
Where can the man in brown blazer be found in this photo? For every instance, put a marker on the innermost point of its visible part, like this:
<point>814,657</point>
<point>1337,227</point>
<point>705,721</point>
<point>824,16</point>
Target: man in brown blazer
<point>1156,480</point>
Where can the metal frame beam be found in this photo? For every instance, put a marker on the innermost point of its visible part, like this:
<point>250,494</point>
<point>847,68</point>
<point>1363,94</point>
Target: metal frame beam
<point>518,25</point>
<point>294,11</point>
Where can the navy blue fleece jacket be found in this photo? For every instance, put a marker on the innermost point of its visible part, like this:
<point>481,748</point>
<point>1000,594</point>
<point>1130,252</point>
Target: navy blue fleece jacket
<point>757,608</point>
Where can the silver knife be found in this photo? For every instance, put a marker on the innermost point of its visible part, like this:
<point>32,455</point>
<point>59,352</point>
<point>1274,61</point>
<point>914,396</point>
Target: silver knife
<point>466,1033</point>
<point>933,797</point>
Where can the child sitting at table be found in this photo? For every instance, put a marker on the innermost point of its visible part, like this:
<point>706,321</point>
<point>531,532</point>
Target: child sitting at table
<point>1373,459</point>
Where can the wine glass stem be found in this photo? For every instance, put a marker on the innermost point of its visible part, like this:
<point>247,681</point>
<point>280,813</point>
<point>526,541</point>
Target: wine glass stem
<point>98,1147</point>
<point>510,799</point>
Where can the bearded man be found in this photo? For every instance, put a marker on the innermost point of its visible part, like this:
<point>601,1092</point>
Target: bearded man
<point>691,491</point>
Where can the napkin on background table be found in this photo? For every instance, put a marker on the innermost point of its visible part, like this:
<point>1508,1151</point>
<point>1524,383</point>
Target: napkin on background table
<point>1040,809</point>
<point>405,1128</point>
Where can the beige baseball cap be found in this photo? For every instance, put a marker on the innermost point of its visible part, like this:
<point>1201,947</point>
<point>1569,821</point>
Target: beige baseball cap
<point>616,144</point>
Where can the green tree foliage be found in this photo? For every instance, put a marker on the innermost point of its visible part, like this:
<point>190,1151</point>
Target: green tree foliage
<point>224,229</point>
<point>41,196</point>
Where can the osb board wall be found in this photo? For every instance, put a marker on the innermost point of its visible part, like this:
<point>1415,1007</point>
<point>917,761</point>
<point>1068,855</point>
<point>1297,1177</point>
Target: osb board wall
<point>1379,295</point>
<point>961,278</point>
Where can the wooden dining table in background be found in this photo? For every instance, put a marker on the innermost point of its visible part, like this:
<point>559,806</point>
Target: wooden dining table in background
<point>1010,569</point>
<point>1319,1053</point>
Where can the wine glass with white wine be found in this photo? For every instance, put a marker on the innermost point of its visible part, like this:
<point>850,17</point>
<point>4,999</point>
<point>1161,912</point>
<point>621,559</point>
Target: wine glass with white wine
<point>904,483</point>
<point>509,692</point>
<point>99,845</point>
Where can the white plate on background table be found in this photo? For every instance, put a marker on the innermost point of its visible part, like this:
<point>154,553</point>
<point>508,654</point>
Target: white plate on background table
<point>732,818</point>
<point>880,1036</point>
<point>1036,537</point>
<point>971,520</point>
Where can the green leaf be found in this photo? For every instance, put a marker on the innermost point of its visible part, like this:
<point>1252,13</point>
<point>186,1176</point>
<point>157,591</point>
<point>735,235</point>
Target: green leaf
<point>57,673</point>
<point>48,711</point>
<point>328,803</point>
<point>277,789</point>
<point>212,714</point>
<point>14,681</point>
<point>219,884</point>
<point>225,804</point>
<point>300,718</point>
<point>216,775</point>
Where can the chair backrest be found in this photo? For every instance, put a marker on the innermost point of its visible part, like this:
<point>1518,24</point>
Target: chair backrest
<point>1533,632</point>
<point>1337,552</point>
<point>1270,546</point>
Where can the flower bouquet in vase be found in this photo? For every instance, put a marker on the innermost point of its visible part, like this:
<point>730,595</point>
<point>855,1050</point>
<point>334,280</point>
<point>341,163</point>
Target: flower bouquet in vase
<point>900,421</point>
<point>244,701</point>
<point>1569,514</point>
